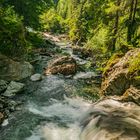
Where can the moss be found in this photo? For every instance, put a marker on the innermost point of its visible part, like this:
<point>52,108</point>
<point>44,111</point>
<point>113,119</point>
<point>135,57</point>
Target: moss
<point>89,93</point>
<point>112,61</point>
<point>134,65</point>
<point>137,77</point>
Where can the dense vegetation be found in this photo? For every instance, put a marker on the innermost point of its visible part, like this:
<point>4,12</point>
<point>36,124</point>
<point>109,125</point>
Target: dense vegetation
<point>109,23</point>
<point>105,26</point>
<point>15,17</point>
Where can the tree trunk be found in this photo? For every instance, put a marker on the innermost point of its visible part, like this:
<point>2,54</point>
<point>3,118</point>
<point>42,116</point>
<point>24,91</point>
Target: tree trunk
<point>115,27</point>
<point>134,15</point>
<point>129,32</point>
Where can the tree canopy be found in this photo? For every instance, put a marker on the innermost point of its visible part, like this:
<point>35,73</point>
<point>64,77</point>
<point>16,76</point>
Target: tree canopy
<point>98,24</point>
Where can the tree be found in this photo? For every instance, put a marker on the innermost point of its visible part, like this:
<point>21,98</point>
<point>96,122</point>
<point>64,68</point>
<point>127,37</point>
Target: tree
<point>30,10</point>
<point>12,33</point>
<point>116,24</point>
<point>132,20</point>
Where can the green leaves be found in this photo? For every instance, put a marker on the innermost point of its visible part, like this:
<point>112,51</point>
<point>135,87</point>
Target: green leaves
<point>12,37</point>
<point>30,10</point>
<point>52,22</point>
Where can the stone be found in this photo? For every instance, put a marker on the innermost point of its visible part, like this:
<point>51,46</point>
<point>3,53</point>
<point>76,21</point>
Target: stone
<point>5,122</point>
<point>132,94</point>
<point>36,77</point>
<point>12,105</point>
<point>118,78</point>
<point>64,65</point>
<point>1,117</point>
<point>13,88</point>
<point>63,60</point>
<point>3,85</point>
<point>85,75</point>
<point>11,70</point>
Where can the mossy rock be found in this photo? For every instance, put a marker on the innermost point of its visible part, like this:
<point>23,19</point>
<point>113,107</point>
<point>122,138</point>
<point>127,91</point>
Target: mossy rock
<point>120,73</point>
<point>134,65</point>
<point>111,62</point>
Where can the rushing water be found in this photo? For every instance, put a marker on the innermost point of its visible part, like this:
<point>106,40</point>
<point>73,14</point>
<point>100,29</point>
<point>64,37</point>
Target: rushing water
<point>50,112</point>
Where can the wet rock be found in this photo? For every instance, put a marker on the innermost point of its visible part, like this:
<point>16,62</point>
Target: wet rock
<point>118,78</point>
<point>5,122</point>
<point>11,70</point>
<point>132,94</point>
<point>3,85</point>
<point>13,88</point>
<point>110,119</point>
<point>64,65</point>
<point>1,106</point>
<point>85,75</point>
<point>8,105</point>
<point>63,60</point>
<point>12,105</point>
<point>36,77</point>
<point>1,117</point>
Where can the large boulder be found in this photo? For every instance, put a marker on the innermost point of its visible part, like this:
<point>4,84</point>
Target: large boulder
<point>132,94</point>
<point>11,70</point>
<point>13,88</point>
<point>64,65</point>
<point>118,78</point>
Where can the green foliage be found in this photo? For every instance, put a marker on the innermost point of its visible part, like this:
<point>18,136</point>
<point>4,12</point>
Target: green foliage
<point>102,26</point>
<point>30,10</point>
<point>52,22</point>
<point>98,42</point>
<point>12,33</point>
<point>134,64</point>
<point>89,92</point>
<point>36,40</point>
<point>74,30</point>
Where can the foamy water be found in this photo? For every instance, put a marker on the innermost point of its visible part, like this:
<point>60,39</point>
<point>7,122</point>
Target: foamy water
<point>80,120</point>
<point>69,111</point>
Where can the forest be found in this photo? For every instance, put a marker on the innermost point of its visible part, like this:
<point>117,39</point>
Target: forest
<point>100,25</point>
<point>69,69</point>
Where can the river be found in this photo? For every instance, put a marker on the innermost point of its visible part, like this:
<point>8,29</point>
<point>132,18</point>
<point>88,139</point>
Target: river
<point>53,110</point>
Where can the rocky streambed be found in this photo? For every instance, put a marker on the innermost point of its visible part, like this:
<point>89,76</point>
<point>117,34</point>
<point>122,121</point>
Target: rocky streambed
<point>52,106</point>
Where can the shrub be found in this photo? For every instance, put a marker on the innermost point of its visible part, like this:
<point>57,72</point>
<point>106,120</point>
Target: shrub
<point>52,22</point>
<point>12,33</point>
<point>36,40</point>
<point>98,42</point>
